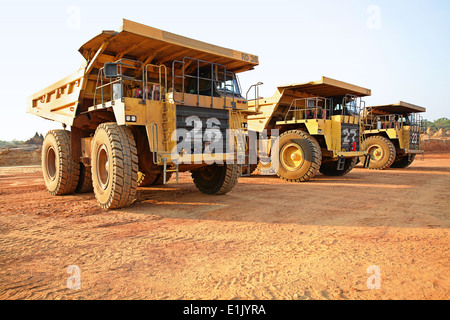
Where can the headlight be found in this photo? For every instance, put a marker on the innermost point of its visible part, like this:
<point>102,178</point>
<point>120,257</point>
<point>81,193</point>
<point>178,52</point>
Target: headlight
<point>130,118</point>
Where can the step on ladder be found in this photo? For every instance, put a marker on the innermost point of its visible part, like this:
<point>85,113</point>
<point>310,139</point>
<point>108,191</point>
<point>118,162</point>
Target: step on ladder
<point>241,143</point>
<point>246,165</point>
<point>171,169</point>
<point>161,156</point>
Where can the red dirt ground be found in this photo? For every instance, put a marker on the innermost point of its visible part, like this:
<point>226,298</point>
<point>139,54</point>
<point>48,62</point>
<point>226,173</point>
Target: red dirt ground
<point>266,239</point>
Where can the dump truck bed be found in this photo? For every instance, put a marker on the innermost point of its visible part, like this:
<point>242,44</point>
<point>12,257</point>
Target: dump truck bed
<point>327,87</point>
<point>396,108</point>
<point>74,94</point>
<point>283,97</point>
<point>144,43</point>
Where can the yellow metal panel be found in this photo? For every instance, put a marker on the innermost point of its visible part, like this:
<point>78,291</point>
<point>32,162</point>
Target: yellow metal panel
<point>327,87</point>
<point>400,107</point>
<point>59,101</point>
<point>141,41</point>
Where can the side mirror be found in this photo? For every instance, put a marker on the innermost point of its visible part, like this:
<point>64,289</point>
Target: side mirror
<point>111,70</point>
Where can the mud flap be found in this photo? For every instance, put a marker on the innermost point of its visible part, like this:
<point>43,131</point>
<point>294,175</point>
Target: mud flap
<point>341,163</point>
<point>366,161</point>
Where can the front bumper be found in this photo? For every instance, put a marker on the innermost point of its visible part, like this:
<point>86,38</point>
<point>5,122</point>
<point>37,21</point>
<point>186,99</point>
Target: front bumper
<point>350,154</point>
<point>410,151</point>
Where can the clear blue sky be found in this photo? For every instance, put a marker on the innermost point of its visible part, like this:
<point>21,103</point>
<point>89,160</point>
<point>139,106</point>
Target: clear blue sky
<point>399,49</point>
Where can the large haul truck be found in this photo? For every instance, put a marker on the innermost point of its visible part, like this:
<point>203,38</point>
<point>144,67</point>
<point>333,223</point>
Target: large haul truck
<point>392,134</point>
<point>146,104</point>
<point>314,127</point>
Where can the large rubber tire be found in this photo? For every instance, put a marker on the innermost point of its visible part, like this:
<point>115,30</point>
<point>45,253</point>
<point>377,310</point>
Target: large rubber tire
<point>382,152</point>
<point>60,172</point>
<point>85,180</point>
<point>330,168</point>
<point>114,166</point>
<point>216,179</point>
<point>300,156</point>
<point>403,161</point>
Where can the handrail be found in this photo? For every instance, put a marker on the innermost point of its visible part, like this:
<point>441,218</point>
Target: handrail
<point>154,127</point>
<point>327,103</point>
<point>392,121</point>
<point>213,78</point>
<point>119,79</point>
<point>146,92</point>
<point>256,86</point>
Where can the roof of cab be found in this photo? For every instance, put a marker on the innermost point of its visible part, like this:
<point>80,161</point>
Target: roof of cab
<point>327,87</point>
<point>151,45</point>
<point>400,107</point>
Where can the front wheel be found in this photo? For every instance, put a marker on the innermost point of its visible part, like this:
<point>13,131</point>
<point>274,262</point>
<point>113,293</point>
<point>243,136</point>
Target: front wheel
<point>216,179</point>
<point>114,166</point>
<point>299,156</point>
<point>381,151</point>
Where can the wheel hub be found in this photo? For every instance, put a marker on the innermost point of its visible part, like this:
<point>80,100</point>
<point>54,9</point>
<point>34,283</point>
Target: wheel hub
<point>103,167</point>
<point>51,163</point>
<point>376,153</point>
<point>292,156</point>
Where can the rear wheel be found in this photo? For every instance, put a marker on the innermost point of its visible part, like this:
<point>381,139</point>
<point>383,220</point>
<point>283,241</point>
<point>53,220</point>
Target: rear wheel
<point>85,180</point>
<point>299,156</point>
<point>216,179</point>
<point>60,171</point>
<point>403,161</point>
<point>381,150</point>
<point>330,168</point>
<point>114,166</point>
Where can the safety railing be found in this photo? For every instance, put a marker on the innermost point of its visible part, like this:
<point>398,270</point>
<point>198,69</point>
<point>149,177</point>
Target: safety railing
<point>353,107</point>
<point>309,108</point>
<point>216,80</point>
<point>393,121</point>
<point>256,92</point>
<point>158,88</point>
<point>114,74</point>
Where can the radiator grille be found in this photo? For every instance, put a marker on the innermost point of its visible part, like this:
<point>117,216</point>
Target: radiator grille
<point>201,127</point>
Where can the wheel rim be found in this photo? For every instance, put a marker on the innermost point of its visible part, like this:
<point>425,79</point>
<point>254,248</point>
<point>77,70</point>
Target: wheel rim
<point>51,163</point>
<point>103,166</point>
<point>292,156</point>
<point>208,173</point>
<point>376,153</point>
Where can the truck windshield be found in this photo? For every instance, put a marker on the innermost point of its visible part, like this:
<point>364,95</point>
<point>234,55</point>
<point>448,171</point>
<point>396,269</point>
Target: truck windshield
<point>223,85</point>
<point>228,87</point>
<point>348,108</point>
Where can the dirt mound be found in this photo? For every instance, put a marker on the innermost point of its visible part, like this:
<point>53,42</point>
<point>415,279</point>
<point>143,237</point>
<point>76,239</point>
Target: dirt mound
<point>28,153</point>
<point>23,155</point>
<point>37,139</point>
<point>437,145</point>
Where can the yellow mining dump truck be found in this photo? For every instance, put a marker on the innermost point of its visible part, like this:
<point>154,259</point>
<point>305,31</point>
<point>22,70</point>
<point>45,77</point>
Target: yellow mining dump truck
<point>313,127</point>
<point>392,134</point>
<point>146,104</point>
